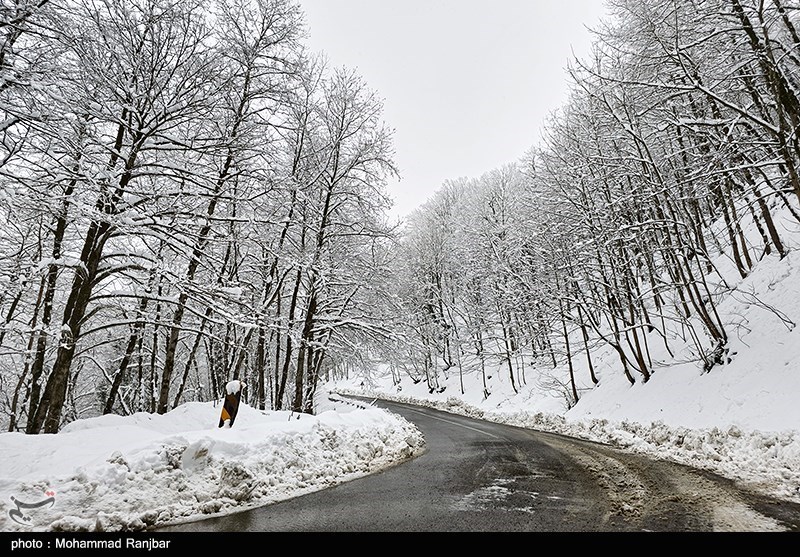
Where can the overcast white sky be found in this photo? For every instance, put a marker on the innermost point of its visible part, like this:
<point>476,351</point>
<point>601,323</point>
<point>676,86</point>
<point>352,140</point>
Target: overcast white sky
<point>467,84</point>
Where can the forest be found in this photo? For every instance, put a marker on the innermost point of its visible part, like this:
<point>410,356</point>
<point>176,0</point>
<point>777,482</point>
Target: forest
<point>190,196</point>
<point>678,148</point>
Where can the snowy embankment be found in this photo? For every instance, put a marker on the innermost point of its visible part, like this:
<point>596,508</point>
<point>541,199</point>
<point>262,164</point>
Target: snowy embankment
<point>115,473</point>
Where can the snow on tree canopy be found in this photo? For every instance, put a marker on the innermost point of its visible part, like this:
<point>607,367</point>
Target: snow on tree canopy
<point>234,387</point>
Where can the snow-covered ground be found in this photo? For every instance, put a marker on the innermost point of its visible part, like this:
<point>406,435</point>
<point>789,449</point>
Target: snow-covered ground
<point>115,473</point>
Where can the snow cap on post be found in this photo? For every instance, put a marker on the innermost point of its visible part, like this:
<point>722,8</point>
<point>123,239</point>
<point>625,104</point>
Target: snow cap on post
<point>234,387</point>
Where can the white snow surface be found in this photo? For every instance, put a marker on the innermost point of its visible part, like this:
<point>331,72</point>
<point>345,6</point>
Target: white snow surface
<point>114,473</point>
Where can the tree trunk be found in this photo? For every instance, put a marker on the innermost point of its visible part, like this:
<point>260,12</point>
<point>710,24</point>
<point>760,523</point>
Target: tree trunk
<point>299,404</point>
<point>133,340</point>
<point>288,350</point>
<point>191,359</point>
<point>48,413</point>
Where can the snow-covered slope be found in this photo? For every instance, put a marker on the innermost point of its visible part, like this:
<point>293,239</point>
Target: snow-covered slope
<point>741,419</point>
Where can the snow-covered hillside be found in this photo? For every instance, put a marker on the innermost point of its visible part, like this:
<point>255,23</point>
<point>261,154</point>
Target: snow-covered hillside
<point>741,419</point>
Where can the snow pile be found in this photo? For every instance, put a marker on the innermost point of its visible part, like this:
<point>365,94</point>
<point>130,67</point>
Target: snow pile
<point>115,473</point>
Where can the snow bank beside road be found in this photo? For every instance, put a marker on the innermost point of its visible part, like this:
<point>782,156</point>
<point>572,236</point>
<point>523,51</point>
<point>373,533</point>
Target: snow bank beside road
<point>116,473</point>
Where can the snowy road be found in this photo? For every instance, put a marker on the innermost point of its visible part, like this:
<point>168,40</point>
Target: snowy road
<point>482,476</point>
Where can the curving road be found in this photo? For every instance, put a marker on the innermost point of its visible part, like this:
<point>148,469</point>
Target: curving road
<point>478,476</point>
